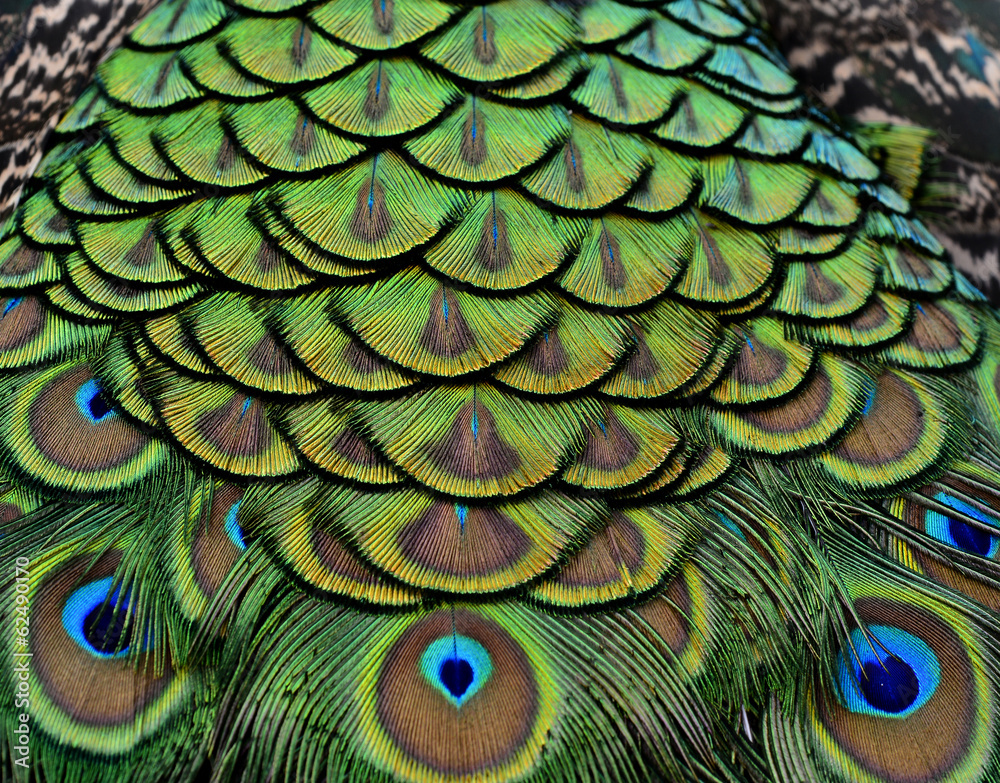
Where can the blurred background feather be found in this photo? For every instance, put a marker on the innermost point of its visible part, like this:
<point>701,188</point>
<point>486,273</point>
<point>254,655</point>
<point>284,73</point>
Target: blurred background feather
<point>931,63</point>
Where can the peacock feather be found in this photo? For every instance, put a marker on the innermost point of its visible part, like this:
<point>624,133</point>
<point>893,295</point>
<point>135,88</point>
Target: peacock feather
<point>413,391</point>
<point>931,62</point>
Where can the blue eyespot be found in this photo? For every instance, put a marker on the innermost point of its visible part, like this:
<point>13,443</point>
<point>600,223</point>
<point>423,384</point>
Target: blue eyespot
<point>457,666</point>
<point>233,529</point>
<point>92,403</point>
<point>958,534</point>
<point>890,673</point>
<point>96,622</point>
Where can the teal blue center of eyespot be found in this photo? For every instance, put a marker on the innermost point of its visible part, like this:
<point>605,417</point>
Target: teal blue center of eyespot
<point>954,532</point>
<point>233,529</point>
<point>896,659</point>
<point>457,667</point>
<point>91,403</point>
<point>80,604</point>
